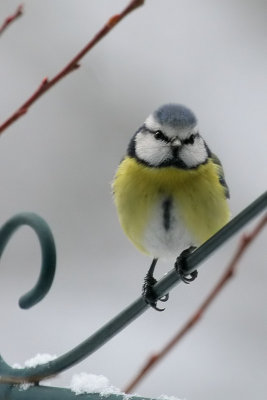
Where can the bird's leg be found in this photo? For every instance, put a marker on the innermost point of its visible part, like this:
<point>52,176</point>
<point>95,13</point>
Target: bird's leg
<point>148,292</point>
<point>180,266</point>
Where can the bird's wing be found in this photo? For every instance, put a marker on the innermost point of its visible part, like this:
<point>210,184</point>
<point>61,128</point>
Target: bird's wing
<point>222,181</point>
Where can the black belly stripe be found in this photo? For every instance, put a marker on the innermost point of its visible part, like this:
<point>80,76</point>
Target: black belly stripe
<point>167,206</point>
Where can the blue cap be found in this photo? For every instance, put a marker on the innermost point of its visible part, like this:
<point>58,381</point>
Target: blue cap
<point>176,116</point>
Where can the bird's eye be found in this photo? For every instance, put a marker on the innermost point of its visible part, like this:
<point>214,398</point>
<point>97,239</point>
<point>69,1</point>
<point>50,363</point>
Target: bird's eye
<point>190,140</point>
<point>159,135</point>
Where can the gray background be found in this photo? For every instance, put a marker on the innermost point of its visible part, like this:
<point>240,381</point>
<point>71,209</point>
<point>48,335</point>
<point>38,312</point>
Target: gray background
<point>59,161</point>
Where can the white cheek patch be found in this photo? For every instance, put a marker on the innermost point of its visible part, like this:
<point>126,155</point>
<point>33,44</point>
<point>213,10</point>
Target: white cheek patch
<point>150,150</point>
<point>195,154</point>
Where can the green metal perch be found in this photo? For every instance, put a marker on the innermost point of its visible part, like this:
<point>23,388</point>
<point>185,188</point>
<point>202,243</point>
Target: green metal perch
<point>104,334</point>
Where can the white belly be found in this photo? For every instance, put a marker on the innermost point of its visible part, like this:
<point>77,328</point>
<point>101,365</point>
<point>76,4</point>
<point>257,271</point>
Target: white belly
<point>165,235</point>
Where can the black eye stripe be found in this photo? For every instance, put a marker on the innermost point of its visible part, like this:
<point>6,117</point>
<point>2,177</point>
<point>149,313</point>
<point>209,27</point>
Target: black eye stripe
<point>159,135</point>
<point>190,140</point>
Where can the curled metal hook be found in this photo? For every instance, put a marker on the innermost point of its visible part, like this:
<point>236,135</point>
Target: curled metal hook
<point>48,266</point>
<point>110,329</point>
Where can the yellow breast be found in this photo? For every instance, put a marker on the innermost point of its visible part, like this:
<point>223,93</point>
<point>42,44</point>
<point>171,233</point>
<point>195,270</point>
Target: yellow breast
<point>197,194</point>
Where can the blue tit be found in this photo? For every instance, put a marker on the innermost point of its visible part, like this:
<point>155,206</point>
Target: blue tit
<point>169,189</point>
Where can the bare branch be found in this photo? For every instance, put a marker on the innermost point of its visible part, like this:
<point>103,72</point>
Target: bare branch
<point>72,65</point>
<point>11,18</point>
<point>245,241</point>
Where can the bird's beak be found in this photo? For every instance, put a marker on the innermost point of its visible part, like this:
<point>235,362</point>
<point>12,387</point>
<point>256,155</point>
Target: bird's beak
<point>175,144</point>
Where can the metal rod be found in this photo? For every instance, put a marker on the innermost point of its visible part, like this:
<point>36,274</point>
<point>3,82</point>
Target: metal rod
<point>226,232</point>
<point>204,251</point>
<point>8,392</point>
<point>114,326</point>
<point>48,250</point>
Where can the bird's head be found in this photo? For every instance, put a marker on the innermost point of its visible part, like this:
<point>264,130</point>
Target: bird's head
<point>169,137</point>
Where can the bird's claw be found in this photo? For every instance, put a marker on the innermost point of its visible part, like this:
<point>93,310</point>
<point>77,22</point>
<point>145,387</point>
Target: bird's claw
<point>179,266</point>
<point>149,294</point>
<point>187,280</point>
<point>154,305</point>
<point>164,298</point>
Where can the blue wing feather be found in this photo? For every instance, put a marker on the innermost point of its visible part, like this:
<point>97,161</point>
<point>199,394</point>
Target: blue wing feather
<point>221,176</point>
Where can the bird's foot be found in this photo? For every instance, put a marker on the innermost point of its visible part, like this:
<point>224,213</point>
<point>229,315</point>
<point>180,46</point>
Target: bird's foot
<point>149,294</point>
<point>180,266</point>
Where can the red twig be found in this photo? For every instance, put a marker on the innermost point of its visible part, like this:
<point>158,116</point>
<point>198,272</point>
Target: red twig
<point>245,241</point>
<point>11,18</point>
<point>72,65</point>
